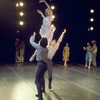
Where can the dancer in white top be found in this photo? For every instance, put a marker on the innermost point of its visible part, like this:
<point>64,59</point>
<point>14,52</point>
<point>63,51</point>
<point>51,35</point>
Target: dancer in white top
<point>54,46</point>
<point>45,30</point>
<point>88,56</point>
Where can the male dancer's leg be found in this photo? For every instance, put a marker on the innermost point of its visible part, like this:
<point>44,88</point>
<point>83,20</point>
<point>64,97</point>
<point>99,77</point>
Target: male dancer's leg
<point>50,72</point>
<point>42,67</point>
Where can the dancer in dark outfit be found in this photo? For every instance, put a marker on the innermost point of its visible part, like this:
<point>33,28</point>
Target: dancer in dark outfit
<point>41,57</point>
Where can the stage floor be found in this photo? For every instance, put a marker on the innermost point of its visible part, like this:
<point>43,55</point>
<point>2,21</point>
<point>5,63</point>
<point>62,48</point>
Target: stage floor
<point>69,83</point>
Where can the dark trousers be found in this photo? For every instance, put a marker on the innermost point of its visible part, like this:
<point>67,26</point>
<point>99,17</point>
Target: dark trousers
<point>49,68</point>
<point>41,69</point>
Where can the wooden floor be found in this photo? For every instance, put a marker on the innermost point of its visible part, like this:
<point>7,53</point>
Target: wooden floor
<point>69,83</point>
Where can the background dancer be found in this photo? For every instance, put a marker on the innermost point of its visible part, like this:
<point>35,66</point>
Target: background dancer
<point>66,53</point>
<point>94,50</point>
<point>88,56</point>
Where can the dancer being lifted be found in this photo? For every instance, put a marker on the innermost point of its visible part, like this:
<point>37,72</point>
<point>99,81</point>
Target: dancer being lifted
<point>45,30</point>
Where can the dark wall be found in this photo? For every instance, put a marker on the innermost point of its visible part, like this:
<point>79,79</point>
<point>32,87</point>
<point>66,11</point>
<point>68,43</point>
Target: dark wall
<point>7,30</point>
<point>70,14</point>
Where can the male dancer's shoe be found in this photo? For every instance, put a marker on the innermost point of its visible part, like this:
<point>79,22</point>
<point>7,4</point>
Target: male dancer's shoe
<point>49,85</point>
<point>50,80</point>
<point>42,92</point>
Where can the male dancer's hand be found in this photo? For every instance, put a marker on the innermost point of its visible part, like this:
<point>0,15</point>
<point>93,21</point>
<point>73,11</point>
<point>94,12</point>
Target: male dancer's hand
<point>64,31</point>
<point>34,33</point>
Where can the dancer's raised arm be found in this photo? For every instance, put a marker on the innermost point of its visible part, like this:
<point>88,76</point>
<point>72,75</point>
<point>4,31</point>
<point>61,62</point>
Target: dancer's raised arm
<point>40,12</point>
<point>61,37</point>
<point>50,11</point>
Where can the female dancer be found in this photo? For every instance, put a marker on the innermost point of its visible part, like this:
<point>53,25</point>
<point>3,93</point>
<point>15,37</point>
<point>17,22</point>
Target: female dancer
<point>66,52</point>
<point>50,39</point>
<point>45,30</point>
<point>88,55</point>
<point>41,57</point>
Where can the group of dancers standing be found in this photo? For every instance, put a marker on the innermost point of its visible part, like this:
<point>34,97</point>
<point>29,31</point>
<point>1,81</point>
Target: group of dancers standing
<point>91,54</point>
<point>45,50</point>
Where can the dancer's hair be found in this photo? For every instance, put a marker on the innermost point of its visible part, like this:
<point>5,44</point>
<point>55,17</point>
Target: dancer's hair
<point>93,41</point>
<point>44,42</point>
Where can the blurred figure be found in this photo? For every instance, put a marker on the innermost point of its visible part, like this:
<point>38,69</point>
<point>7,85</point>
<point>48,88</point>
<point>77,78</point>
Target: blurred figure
<point>88,57</point>
<point>22,50</point>
<point>66,53</point>
<point>94,53</point>
<point>17,42</point>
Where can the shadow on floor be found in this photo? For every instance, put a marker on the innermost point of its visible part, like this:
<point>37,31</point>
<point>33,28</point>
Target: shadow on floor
<point>55,94</point>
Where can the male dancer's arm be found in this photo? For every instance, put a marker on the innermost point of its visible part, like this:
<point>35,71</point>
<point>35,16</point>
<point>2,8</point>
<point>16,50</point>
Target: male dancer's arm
<point>53,50</point>
<point>32,39</point>
<point>60,39</point>
<point>33,56</point>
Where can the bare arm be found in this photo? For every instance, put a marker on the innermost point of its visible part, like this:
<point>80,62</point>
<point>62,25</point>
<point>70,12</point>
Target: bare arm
<point>56,46</point>
<point>84,48</point>
<point>33,56</point>
<point>47,6</point>
<point>63,51</point>
<point>61,36</point>
<point>40,12</point>
<point>32,39</point>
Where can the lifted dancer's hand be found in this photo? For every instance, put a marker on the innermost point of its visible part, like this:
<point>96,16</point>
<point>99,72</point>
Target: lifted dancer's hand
<point>41,1</point>
<point>39,11</point>
<point>34,33</point>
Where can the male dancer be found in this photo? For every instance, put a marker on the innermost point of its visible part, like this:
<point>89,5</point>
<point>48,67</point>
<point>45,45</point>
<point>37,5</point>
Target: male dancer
<point>54,46</point>
<point>41,58</point>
